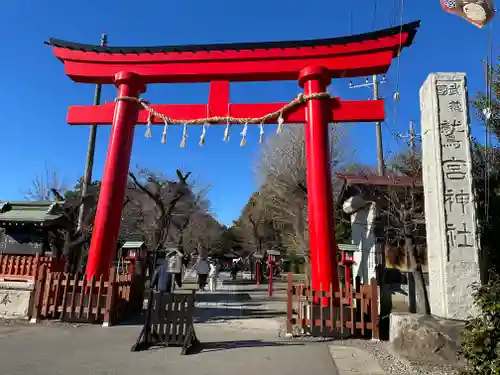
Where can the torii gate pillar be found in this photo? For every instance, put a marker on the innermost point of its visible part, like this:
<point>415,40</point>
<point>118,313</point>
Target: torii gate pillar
<point>322,242</point>
<point>114,181</point>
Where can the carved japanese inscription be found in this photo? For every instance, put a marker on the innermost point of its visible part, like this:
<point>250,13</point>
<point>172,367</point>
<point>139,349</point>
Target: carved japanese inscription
<point>450,209</point>
<point>459,205</point>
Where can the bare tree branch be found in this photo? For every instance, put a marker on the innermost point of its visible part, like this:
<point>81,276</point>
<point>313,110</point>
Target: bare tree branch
<point>282,169</point>
<point>43,184</point>
<point>165,195</point>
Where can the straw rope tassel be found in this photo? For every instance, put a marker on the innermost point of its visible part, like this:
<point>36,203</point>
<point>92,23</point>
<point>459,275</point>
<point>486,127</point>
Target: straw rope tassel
<point>164,134</point>
<point>244,135</point>
<point>203,134</point>
<point>281,121</point>
<point>148,125</point>
<point>184,136</point>
<point>226,132</point>
<point>261,136</point>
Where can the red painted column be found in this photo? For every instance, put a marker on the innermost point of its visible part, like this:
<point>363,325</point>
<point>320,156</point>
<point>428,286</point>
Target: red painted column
<point>109,207</point>
<point>319,182</point>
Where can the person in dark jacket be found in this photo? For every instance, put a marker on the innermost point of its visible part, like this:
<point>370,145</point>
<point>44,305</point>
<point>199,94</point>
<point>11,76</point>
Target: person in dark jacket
<point>162,279</point>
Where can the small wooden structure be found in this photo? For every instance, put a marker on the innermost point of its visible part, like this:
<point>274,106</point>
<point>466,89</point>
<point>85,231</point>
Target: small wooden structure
<point>26,238</point>
<point>168,322</point>
<point>257,265</point>
<point>273,255</point>
<point>347,261</point>
<point>131,253</point>
<point>350,312</point>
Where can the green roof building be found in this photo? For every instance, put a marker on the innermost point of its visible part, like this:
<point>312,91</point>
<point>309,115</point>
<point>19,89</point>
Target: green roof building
<point>24,226</point>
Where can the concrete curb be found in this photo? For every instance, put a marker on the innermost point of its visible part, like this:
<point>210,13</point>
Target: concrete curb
<point>351,360</point>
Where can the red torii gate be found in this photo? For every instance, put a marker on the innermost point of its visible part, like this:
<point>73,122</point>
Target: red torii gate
<point>313,63</point>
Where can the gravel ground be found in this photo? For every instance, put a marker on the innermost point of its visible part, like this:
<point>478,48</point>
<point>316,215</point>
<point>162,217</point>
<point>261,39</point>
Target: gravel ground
<point>392,365</point>
<point>379,350</point>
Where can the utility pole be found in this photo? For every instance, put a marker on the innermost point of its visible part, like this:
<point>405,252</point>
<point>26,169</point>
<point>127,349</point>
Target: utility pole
<point>374,84</point>
<point>414,271</point>
<point>412,138</point>
<point>89,165</point>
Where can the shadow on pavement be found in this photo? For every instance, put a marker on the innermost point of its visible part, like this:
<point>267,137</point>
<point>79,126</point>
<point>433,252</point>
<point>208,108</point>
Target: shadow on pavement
<point>228,345</point>
<point>262,289</point>
<point>238,282</point>
<point>223,297</point>
<point>265,299</point>
<point>208,314</point>
<point>134,320</point>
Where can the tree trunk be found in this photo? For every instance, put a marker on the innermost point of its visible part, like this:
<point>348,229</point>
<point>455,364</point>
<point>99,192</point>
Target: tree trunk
<point>180,242</point>
<point>423,306</point>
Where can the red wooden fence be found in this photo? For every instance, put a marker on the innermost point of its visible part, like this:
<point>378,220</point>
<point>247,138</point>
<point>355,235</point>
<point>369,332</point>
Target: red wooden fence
<point>70,297</point>
<point>350,311</point>
<point>22,267</point>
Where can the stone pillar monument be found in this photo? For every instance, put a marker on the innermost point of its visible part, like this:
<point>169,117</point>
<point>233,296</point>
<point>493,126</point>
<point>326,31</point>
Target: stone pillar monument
<point>450,210</point>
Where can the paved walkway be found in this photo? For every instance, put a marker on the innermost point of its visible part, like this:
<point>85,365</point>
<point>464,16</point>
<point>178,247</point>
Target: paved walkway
<point>93,350</point>
<point>243,304</point>
<point>237,326</point>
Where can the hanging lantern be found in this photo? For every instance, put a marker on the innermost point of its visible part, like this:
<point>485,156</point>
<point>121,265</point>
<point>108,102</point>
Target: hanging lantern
<point>477,12</point>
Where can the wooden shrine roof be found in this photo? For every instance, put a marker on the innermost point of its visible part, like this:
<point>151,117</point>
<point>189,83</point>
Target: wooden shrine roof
<point>133,244</point>
<point>403,181</point>
<point>30,212</point>
<point>343,57</point>
<point>371,187</point>
<point>410,28</point>
<point>348,247</point>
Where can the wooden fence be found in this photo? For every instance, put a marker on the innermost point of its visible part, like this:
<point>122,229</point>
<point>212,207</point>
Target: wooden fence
<point>70,297</point>
<point>351,312</point>
<point>22,267</point>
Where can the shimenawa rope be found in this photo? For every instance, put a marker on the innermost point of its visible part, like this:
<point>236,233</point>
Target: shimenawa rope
<point>299,100</point>
<point>152,113</point>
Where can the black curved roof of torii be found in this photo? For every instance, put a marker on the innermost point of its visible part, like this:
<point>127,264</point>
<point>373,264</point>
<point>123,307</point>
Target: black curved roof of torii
<point>410,28</point>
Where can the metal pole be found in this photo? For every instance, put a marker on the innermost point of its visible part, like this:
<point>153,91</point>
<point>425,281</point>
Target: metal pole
<point>378,128</point>
<point>89,164</point>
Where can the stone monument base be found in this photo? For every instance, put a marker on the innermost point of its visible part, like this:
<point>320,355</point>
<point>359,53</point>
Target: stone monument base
<point>426,338</point>
<point>15,299</point>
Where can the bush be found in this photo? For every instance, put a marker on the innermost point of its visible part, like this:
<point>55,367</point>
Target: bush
<point>481,337</point>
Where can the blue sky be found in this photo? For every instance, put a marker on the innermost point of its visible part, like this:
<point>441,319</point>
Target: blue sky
<point>35,92</point>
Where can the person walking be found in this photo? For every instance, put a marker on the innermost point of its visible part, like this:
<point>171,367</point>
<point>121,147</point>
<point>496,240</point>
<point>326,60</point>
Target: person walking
<point>235,268</point>
<point>162,279</point>
<point>202,268</point>
<point>213,274</point>
<point>174,259</point>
